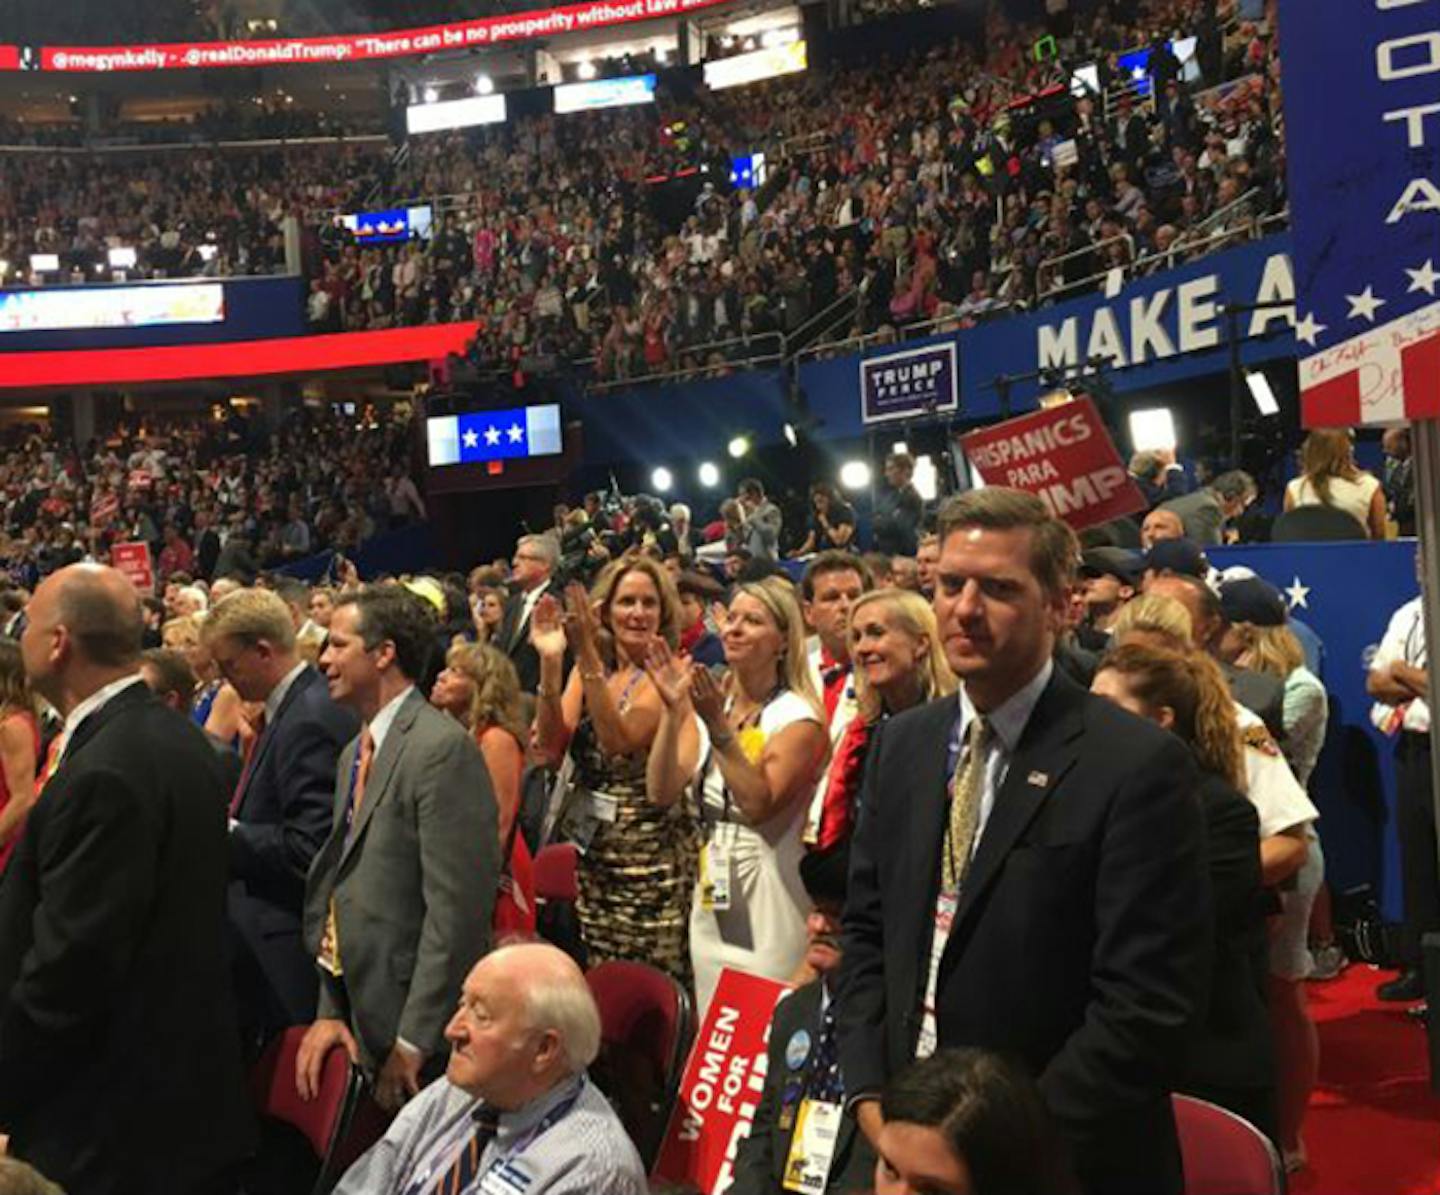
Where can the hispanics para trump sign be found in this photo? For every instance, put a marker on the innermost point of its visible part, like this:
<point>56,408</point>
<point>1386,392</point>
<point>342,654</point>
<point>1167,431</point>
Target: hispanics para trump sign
<point>909,384</point>
<point>721,1088</point>
<point>1365,206</point>
<point>1064,456</point>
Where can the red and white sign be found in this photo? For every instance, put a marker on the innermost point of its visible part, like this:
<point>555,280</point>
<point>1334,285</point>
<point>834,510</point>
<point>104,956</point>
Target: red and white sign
<point>103,509</point>
<point>1386,375</point>
<point>396,43</point>
<point>721,1088</point>
<point>1062,455</point>
<point>133,559</point>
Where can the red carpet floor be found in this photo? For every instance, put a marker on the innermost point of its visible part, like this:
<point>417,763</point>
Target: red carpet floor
<point>1373,1127</point>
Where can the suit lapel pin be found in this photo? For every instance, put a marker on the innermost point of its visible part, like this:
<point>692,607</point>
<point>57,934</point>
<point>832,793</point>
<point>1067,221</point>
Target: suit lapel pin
<point>1038,780</point>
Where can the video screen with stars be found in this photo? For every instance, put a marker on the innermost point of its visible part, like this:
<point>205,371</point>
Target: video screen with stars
<point>499,435</point>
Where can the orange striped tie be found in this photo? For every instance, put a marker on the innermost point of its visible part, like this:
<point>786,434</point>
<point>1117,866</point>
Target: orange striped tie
<point>52,757</point>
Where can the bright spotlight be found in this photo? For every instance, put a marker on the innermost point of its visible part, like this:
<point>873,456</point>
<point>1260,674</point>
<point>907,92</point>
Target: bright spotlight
<point>430,94</point>
<point>484,84</point>
<point>662,480</point>
<point>709,475</point>
<point>900,448</point>
<point>855,475</point>
<point>586,70</point>
<point>1265,401</point>
<point>739,446</point>
<point>1152,429</point>
<point>927,478</point>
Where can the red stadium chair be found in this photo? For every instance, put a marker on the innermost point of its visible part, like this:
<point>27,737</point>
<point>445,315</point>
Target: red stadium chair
<point>646,1025</point>
<point>322,1121</point>
<point>1224,1154</point>
<point>554,869</point>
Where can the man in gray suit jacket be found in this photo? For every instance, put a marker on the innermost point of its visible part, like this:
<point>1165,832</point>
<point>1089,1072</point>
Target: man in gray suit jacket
<point>399,899</point>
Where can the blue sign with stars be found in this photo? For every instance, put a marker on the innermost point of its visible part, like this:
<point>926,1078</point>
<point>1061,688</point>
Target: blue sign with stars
<point>478,437</point>
<point>1362,133</point>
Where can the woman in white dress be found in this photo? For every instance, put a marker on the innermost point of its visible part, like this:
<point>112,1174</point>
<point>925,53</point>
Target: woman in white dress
<point>759,748</point>
<point>1330,477</point>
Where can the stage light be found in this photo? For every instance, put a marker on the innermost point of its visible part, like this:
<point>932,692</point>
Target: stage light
<point>661,480</point>
<point>430,95</point>
<point>739,446</point>
<point>586,69</point>
<point>900,448</point>
<point>1265,401</point>
<point>1152,429</point>
<point>927,478</point>
<point>122,258</point>
<point>484,84</point>
<point>855,475</point>
<point>709,475</point>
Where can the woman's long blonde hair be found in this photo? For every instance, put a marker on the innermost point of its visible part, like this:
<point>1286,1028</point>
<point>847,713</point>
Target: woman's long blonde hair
<point>1272,650</point>
<point>916,619</point>
<point>1327,453</point>
<point>778,598</point>
<point>497,700</point>
<point>15,693</point>
<point>1194,688</point>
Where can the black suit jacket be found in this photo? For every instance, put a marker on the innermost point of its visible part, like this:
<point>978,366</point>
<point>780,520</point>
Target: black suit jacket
<point>515,638</point>
<point>283,818</point>
<point>1081,943</point>
<point>760,1158</point>
<point>120,1069</point>
<point>1230,1052</point>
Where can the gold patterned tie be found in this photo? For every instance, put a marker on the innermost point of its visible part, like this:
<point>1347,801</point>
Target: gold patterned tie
<point>965,805</point>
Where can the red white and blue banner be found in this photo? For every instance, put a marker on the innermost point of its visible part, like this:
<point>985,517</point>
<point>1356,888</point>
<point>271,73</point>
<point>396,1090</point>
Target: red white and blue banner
<point>1362,132</point>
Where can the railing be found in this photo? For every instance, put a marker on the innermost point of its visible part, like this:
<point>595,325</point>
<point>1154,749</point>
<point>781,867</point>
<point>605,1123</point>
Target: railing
<point>823,322</point>
<point>951,322</point>
<point>1051,275</point>
<point>758,351</point>
<point>166,146</point>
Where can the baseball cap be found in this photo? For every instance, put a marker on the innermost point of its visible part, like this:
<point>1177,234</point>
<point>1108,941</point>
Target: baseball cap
<point>1112,562</point>
<point>1252,600</point>
<point>1182,556</point>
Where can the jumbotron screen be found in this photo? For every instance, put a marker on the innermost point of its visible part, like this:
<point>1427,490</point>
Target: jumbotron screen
<point>478,437</point>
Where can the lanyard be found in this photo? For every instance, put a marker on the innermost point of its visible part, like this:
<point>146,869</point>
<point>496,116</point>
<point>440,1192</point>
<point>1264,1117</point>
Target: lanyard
<point>423,1182</point>
<point>750,720</point>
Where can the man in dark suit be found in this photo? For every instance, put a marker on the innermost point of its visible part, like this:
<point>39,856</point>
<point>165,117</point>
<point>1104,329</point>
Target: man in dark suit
<point>281,807</point>
<point>535,559</point>
<point>398,901</point>
<point>120,1066</point>
<point>1058,909</point>
<point>803,1074</point>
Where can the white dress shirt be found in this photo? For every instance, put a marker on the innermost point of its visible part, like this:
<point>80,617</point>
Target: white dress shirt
<point>88,707</point>
<point>385,718</point>
<point>278,693</point>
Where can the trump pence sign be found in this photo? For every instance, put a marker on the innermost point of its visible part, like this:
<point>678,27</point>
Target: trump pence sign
<point>910,384</point>
<point>1064,456</point>
<point>1362,143</point>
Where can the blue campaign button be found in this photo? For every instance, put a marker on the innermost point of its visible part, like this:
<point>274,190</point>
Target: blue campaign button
<point>797,1049</point>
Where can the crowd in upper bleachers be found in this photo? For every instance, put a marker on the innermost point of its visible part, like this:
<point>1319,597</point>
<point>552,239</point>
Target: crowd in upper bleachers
<point>984,184</point>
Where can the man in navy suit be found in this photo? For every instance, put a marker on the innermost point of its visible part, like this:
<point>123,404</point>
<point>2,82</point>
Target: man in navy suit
<point>1028,873</point>
<point>281,809</point>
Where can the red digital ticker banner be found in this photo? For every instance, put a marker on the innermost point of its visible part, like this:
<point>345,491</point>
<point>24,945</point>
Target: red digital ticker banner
<point>396,43</point>
<point>9,58</point>
<point>242,359</point>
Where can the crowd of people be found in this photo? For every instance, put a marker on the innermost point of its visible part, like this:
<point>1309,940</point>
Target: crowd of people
<point>211,497</point>
<point>893,778</point>
<point>984,184</point>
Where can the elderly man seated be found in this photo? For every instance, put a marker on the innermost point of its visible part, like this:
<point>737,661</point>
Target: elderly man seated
<point>515,1111</point>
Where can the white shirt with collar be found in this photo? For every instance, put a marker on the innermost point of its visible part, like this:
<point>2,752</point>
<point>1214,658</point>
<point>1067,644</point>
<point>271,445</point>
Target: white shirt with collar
<point>530,601</point>
<point>89,706</point>
<point>379,725</point>
<point>1007,723</point>
<point>279,692</point>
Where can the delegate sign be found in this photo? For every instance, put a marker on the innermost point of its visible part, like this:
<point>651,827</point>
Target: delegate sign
<point>724,1077</point>
<point>1365,206</point>
<point>397,43</point>
<point>133,559</point>
<point>1064,456</point>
